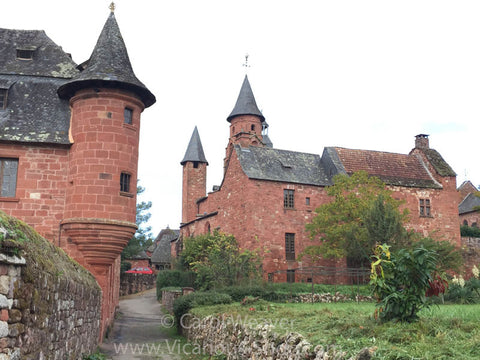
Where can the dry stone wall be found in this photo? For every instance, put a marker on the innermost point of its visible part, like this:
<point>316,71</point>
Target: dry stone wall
<point>135,283</point>
<point>215,335</point>
<point>49,305</point>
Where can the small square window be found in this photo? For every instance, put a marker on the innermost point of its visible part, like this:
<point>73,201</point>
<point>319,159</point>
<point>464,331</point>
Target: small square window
<point>270,277</point>
<point>288,199</point>
<point>3,99</point>
<point>125,182</point>
<point>128,116</point>
<point>25,54</point>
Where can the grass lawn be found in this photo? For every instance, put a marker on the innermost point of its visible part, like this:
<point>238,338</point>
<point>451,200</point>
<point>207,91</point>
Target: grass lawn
<point>443,332</point>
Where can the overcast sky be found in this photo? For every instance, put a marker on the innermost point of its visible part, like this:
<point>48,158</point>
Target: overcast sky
<point>356,74</point>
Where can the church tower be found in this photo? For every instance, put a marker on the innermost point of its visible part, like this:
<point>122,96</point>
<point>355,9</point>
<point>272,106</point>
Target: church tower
<point>194,177</point>
<point>106,100</point>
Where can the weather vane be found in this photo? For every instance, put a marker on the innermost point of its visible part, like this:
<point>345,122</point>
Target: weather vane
<point>112,7</point>
<point>245,64</point>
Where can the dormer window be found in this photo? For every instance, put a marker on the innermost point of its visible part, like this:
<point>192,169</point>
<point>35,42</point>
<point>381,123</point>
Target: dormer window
<point>3,99</point>
<point>25,53</point>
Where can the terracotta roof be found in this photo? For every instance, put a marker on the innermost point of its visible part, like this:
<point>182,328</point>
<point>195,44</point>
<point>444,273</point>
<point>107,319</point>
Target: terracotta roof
<point>392,168</point>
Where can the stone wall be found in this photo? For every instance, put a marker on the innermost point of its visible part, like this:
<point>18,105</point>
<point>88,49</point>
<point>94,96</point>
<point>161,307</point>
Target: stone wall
<point>50,305</point>
<point>168,297</point>
<point>135,283</point>
<point>470,253</point>
<point>215,335</point>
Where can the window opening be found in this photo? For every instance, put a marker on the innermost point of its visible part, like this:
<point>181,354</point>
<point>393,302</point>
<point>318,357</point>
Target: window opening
<point>125,182</point>
<point>290,246</point>
<point>128,116</point>
<point>288,199</point>
<point>8,177</point>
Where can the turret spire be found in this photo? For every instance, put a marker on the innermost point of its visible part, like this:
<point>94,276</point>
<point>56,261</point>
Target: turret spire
<point>194,151</point>
<point>246,104</point>
<point>109,66</point>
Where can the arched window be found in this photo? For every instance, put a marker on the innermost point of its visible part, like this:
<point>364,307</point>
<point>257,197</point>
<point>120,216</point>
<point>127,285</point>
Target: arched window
<point>465,222</point>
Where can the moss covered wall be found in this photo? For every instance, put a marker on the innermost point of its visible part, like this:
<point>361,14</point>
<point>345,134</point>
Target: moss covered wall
<point>49,305</point>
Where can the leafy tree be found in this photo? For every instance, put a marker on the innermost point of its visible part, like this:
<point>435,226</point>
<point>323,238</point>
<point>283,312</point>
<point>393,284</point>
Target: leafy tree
<point>448,255</point>
<point>362,213</point>
<point>218,261</point>
<point>143,236</point>
<point>400,281</point>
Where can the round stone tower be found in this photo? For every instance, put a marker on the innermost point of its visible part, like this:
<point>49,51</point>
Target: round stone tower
<point>106,100</point>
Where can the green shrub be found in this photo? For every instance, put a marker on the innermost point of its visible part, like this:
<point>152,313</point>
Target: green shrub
<point>238,293</point>
<point>218,261</point>
<point>96,356</point>
<point>469,231</point>
<point>183,304</point>
<point>175,278</point>
<point>400,281</point>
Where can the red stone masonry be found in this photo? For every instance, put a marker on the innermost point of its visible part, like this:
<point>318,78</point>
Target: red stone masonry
<point>41,186</point>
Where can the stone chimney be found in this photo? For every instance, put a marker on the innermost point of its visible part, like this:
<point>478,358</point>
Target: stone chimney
<point>421,141</point>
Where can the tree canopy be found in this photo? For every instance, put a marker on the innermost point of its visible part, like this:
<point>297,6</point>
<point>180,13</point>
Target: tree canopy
<point>218,261</point>
<point>362,213</point>
<point>143,236</point>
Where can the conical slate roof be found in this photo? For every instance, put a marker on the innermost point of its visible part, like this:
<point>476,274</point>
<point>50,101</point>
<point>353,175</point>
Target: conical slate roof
<point>246,104</point>
<point>194,150</point>
<point>109,66</point>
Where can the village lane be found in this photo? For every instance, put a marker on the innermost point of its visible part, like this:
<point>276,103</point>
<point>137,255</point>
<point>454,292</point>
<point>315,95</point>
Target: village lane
<point>140,331</point>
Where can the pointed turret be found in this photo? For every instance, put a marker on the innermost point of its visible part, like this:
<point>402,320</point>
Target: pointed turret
<point>194,177</point>
<point>108,67</point>
<point>194,151</point>
<point>246,104</point>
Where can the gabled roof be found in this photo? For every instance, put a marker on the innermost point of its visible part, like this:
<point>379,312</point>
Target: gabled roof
<point>469,204</point>
<point>265,163</point>
<point>162,254</point>
<point>246,104</point>
<point>34,113</point>
<point>49,60</point>
<point>109,66</point>
<point>438,163</point>
<point>194,151</point>
<point>391,168</point>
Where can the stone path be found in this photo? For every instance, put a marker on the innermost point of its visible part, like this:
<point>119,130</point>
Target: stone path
<point>139,331</point>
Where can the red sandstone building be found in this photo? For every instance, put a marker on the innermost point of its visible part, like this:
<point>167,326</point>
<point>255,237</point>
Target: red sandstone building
<point>267,195</point>
<point>469,207</point>
<point>69,140</point>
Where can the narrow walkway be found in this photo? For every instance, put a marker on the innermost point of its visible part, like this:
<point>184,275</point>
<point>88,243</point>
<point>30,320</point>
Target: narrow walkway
<point>140,330</point>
